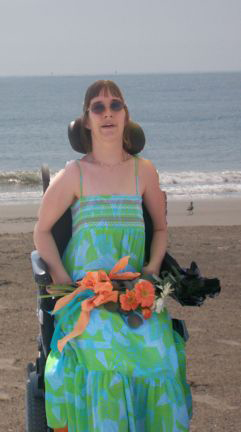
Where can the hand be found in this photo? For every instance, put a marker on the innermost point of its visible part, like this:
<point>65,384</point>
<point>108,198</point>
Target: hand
<point>61,279</point>
<point>151,269</point>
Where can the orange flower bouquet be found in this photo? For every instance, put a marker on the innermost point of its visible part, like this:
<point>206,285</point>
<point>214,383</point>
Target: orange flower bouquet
<point>146,296</point>
<point>133,295</point>
<point>124,292</point>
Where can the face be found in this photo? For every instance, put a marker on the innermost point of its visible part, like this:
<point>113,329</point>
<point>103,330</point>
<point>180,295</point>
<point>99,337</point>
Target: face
<point>106,117</point>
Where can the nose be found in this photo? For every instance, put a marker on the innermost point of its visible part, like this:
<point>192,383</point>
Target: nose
<point>107,112</point>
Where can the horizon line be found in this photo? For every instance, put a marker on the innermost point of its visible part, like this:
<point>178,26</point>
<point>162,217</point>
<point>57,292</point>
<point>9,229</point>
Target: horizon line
<point>116,73</point>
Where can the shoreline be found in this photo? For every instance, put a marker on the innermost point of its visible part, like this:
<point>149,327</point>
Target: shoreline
<point>21,217</point>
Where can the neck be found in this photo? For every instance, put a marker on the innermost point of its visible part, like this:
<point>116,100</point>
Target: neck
<point>109,154</point>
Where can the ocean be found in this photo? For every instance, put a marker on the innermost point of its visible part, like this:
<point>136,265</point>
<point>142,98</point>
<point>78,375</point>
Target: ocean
<point>192,125</point>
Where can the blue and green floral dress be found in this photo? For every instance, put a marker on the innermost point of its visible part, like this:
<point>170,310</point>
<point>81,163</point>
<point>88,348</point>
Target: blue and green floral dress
<point>114,378</point>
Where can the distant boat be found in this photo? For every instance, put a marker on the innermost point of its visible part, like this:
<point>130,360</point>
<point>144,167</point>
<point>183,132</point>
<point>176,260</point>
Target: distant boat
<point>190,208</point>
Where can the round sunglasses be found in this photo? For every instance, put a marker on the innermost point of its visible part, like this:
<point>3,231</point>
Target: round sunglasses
<point>99,107</point>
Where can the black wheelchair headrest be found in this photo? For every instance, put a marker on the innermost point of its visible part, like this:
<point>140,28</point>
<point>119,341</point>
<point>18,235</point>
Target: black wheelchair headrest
<point>79,136</point>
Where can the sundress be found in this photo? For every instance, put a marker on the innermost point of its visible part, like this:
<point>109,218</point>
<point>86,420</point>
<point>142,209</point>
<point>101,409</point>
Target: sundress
<point>114,378</point>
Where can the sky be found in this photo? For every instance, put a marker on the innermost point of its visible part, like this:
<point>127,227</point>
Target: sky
<point>91,37</point>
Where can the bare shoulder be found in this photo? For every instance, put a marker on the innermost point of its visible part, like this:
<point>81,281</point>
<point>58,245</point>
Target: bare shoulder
<point>146,164</point>
<point>68,173</point>
<point>72,168</point>
<point>148,174</point>
<point>147,168</point>
<point>61,193</point>
<point>65,182</point>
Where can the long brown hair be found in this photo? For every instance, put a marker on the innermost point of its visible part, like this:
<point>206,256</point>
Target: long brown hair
<point>94,91</point>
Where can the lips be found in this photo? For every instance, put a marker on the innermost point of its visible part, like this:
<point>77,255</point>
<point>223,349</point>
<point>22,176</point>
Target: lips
<point>108,125</point>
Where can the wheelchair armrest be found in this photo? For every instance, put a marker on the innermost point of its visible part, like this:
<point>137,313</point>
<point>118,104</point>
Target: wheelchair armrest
<point>180,327</point>
<point>40,269</point>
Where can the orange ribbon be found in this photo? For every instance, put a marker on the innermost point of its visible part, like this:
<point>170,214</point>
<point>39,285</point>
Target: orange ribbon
<point>100,283</point>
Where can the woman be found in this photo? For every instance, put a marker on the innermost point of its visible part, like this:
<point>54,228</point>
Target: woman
<point>112,377</point>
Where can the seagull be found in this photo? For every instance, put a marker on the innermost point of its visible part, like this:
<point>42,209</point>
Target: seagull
<point>190,208</point>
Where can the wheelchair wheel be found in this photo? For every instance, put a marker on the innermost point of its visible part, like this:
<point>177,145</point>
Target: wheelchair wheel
<point>35,405</point>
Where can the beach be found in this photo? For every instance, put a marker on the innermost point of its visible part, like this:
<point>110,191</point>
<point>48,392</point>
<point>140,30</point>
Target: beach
<point>17,218</point>
<point>211,236</point>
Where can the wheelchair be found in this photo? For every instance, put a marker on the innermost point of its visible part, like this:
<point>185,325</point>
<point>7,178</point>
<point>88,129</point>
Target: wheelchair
<point>35,392</point>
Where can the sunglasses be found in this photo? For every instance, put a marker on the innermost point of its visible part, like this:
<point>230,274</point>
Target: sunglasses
<point>98,107</point>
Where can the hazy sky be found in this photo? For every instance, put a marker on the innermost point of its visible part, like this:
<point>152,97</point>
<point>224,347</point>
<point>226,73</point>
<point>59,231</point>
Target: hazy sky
<point>40,37</point>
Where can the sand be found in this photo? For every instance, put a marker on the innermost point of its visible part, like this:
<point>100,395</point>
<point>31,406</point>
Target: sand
<point>21,217</point>
<point>210,238</point>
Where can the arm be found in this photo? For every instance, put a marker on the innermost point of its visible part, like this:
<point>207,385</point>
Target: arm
<point>155,202</point>
<point>61,193</point>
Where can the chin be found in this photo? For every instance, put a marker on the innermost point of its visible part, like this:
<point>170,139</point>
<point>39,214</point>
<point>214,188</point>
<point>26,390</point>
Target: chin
<point>112,134</point>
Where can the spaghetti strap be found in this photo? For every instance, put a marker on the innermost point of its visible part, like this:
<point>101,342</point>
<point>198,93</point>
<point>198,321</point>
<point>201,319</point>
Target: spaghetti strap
<point>81,178</point>
<point>136,174</point>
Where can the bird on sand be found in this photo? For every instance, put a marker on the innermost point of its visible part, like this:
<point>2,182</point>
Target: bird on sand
<point>190,208</point>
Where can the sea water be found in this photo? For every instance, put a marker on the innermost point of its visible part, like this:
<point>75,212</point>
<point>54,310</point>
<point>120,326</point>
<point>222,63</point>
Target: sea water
<point>192,125</point>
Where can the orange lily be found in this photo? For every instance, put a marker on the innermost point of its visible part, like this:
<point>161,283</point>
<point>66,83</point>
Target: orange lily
<point>100,283</point>
<point>120,265</point>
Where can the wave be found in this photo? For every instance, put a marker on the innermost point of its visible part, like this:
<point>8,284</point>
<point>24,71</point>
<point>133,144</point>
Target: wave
<point>25,178</point>
<point>27,185</point>
<point>201,184</point>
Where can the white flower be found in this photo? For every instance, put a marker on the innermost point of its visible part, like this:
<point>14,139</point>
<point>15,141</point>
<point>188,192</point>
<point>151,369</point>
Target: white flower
<point>167,289</point>
<point>159,303</point>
